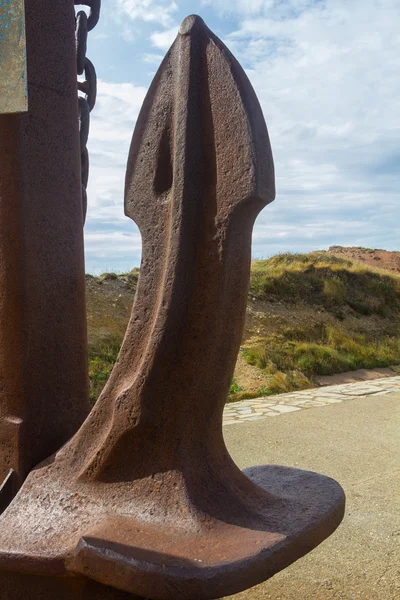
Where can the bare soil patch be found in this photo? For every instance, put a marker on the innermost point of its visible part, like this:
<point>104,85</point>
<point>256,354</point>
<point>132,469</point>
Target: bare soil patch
<point>354,376</point>
<point>374,257</point>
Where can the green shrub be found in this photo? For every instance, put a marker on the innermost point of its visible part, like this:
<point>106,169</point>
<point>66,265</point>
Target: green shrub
<point>235,387</point>
<point>108,276</point>
<point>256,357</point>
<point>334,291</point>
<point>102,357</point>
<point>361,307</point>
<point>281,383</point>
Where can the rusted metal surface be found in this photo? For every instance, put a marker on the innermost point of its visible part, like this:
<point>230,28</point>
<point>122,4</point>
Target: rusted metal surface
<point>43,355</point>
<point>145,497</point>
<point>13,82</point>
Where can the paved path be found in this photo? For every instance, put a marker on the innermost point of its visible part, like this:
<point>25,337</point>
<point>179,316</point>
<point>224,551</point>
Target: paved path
<point>273,406</point>
<point>358,444</point>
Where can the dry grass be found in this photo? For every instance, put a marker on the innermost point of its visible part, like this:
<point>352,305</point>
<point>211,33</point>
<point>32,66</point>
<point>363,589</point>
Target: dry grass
<point>354,322</point>
<point>296,358</point>
<point>329,281</point>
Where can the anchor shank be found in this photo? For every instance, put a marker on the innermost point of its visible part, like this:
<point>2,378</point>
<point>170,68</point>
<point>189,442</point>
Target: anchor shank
<point>211,172</point>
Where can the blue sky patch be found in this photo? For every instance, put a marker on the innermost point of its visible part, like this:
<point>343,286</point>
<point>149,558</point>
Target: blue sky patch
<point>326,75</point>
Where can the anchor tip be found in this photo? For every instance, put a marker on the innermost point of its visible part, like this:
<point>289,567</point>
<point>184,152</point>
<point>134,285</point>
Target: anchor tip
<point>190,23</point>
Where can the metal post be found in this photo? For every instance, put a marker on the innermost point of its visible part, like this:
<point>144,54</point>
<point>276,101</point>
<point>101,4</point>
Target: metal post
<point>43,350</point>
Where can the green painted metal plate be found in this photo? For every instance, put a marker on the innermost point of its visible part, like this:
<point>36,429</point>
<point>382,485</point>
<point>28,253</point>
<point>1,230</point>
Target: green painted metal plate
<point>13,81</point>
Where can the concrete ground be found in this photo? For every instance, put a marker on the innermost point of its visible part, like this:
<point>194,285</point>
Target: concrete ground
<point>357,443</point>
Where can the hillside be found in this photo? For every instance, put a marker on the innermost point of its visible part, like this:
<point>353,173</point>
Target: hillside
<point>374,257</point>
<point>308,315</point>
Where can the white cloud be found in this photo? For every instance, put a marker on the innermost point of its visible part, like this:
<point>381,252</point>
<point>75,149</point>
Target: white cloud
<point>279,8</point>
<point>327,80</point>
<point>100,36</point>
<point>125,249</point>
<point>109,234</point>
<point>159,12</point>
<point>248,7</point>
<point>115,113</point>
<point>153,59</point>
<point>127,33</point>
<point>164,39</point>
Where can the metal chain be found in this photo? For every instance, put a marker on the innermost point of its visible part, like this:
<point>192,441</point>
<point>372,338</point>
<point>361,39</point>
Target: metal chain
<point>84,24</point>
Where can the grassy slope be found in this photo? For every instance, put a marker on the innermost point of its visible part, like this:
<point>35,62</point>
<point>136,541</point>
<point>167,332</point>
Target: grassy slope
<point>109,301</point>
<point>308,315</point>
<point>318,314</point>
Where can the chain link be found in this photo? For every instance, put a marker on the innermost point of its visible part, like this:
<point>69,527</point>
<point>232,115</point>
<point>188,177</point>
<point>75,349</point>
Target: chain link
<point>88,87</point>
<point>94,14</point>
<point>81,39</point>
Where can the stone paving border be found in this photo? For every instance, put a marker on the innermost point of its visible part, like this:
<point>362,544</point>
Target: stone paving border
<point>273,406</point>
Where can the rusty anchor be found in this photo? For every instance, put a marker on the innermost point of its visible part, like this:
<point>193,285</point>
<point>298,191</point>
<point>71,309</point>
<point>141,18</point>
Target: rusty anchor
<point>144,499</point>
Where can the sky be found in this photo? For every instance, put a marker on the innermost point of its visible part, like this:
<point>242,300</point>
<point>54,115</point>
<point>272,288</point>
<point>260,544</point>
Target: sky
<point>327,75</point>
